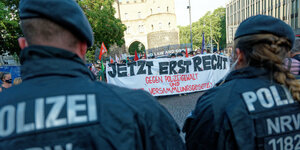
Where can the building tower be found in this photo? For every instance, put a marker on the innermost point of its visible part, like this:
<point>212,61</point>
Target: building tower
<point>150,22</point>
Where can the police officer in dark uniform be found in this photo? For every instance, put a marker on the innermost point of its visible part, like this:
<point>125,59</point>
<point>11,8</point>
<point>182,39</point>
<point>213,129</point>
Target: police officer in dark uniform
<point>257,105</point>
<point>60,106</point>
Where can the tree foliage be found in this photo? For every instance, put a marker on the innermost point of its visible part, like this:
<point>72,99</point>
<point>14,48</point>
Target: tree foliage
<point>216,21</point>
<point>100,14</point>
<point>9,26</point>
<point>106,27</point>
<point>90,56</point>
<point>136,46</point>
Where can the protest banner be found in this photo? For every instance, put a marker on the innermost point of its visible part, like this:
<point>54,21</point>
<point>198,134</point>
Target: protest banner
<point>170,76</point>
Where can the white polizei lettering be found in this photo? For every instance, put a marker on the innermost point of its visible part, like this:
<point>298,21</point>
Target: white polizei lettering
<point>69,146</point>
<point>52,119</point>
<point>10,112</point>
<point>250,98</point>
<point>78,109</point>
<point>92,107</point>
<point>21,126</point>
<point>73,107</point>
<point>277,98</point>
<point>285,122</point>
<point>288,95</point>
<point>296,121</point>
<point>39,114</point>
<point>267,100</point>
<point>273,126</point>
<point>57,147</point>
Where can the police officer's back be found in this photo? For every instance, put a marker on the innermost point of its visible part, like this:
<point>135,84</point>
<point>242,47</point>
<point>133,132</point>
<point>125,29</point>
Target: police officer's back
<point>59,105</point>
<point>257,105</point>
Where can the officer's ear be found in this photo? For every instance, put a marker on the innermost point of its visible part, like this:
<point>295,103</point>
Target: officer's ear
<point>240,58</point>
<point>22,43</point>
<point>83,49</point>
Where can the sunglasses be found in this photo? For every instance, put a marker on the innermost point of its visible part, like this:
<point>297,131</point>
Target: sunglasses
<point>8,81</point>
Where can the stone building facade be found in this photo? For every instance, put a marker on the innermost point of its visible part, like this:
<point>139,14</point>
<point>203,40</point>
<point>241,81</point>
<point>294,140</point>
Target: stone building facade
<point>239,10</point>
<point>151,22</point>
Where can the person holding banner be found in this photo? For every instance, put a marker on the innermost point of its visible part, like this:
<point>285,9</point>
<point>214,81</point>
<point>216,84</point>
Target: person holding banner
<point>256,106</point>
<point>179,55</point>
<point>60,105</point>
<point>100,73</point>
<point>6,81</point>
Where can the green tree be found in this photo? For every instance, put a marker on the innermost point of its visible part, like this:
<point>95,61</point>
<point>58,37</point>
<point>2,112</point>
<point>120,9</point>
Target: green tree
<point>184,33</point>
<point>106,27</point>
<point>218,26</point>
<point>198,29</point>
<point>136,46</point>
<point>90,56</point>
<point>223,29</point>
<point>210,24</point>
<point>9,26</point>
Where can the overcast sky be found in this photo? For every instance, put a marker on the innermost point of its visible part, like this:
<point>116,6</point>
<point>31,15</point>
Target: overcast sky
<point>199,8</point>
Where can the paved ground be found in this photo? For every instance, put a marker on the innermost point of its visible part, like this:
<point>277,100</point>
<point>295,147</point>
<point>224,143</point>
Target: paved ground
<point>180,106</point>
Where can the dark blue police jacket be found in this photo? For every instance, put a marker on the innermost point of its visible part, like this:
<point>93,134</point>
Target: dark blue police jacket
<point>59,105</point>
<point>248,112</point>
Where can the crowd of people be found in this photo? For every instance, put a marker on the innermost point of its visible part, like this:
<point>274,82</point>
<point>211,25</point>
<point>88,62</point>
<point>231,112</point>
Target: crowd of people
<point>174,55</point>
<point>7,82</point>
<point>99,70</point>
<point>256,106</point>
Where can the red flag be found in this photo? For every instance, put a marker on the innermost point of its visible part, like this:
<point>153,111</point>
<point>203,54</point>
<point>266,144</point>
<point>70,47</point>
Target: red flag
<point>186,53</point>
<point>136,58</point>
<point>111,60</point>
<point>102,50</point>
